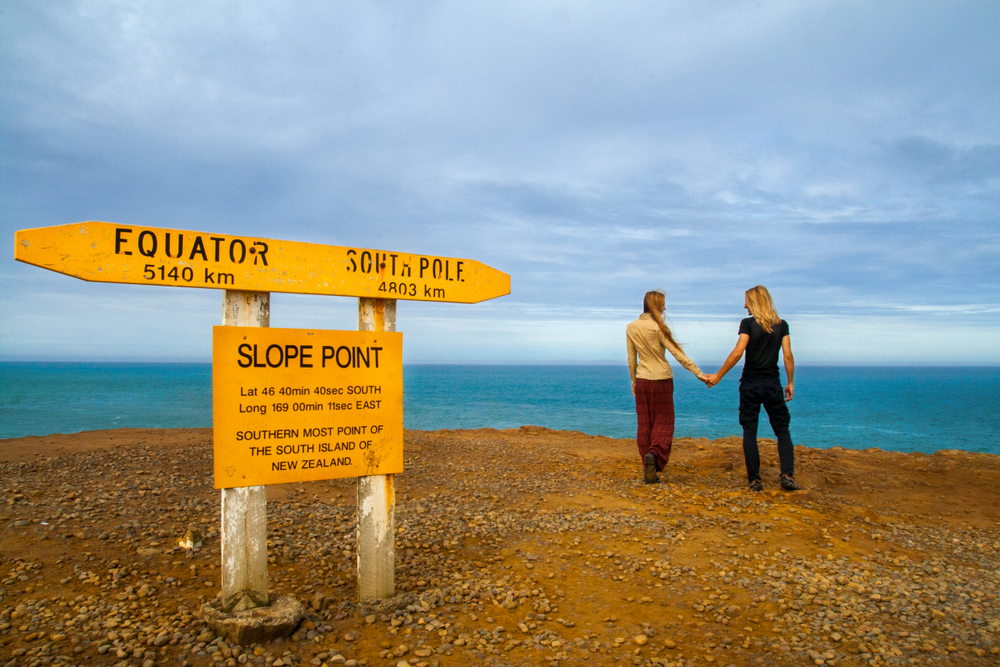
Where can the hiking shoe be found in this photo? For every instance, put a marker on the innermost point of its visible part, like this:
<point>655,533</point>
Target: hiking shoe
<point>756,485</point>
<point>788,484</point>
<point>649,468</point>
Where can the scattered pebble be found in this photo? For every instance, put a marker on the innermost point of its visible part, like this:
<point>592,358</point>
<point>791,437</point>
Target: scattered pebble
<point>518,563</point>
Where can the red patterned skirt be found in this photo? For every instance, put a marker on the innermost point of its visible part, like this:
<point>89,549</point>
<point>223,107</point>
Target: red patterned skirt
<point>654,409</point>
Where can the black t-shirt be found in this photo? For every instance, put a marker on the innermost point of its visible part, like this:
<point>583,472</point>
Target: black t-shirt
<point>761,358</point>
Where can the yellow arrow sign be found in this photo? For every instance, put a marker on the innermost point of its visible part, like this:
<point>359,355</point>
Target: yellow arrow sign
<point>112,253</point>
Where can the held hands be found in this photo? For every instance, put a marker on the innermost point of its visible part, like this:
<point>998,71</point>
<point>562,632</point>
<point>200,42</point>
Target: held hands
<point>712,379</point>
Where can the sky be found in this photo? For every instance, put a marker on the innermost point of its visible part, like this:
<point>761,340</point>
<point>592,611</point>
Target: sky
<point>844,154</point>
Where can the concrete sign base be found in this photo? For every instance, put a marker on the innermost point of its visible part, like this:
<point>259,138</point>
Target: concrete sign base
<point>256,626</point>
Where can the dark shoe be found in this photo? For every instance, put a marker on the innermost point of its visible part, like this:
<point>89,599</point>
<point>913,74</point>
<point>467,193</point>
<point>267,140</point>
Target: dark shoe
<point>756,485</point>
<point>788,484</point>
<point>649,467</point>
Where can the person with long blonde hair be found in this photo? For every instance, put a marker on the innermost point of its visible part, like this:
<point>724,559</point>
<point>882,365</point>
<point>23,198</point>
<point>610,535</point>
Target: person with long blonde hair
<point>762,336</point>
<point>647,339</point>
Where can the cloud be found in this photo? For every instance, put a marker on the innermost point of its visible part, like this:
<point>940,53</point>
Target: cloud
<point>842,154</point>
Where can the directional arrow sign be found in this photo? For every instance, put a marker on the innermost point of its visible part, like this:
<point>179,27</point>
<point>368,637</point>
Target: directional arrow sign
<point>111,253</point>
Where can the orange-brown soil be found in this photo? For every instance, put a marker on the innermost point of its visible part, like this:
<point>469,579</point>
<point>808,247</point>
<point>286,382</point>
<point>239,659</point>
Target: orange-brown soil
<point>518,547</point>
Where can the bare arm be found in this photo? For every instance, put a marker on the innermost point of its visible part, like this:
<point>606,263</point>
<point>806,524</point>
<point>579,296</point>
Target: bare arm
<point>734,356</point>
<point>786,348</point>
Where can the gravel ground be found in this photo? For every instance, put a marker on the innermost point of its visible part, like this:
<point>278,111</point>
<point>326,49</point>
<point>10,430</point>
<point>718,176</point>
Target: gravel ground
<point>522,547</point>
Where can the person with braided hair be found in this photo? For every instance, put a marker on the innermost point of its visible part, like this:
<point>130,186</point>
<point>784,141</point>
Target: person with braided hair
<point>648,338</point>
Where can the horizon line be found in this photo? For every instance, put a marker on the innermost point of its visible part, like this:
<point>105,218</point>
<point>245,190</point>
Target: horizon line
<point>201,360</point>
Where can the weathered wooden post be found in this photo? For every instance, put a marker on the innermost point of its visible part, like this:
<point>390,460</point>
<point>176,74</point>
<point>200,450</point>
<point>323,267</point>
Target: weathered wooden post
<point>376,510</point>
<point>244,509</point>
<point>249,269</point>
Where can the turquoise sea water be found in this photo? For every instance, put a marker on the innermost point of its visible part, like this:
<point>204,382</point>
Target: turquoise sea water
<point>901,409</point>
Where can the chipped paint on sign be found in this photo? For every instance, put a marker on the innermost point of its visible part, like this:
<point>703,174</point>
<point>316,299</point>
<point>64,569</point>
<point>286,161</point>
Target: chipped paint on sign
<point>131,254</point>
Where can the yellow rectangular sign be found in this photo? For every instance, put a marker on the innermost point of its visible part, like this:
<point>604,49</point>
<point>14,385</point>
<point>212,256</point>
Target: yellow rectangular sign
<point>297,405</point>
<point>137,255</point>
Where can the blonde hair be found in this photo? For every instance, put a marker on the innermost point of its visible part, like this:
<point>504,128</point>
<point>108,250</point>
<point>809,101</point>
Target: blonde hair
<point>761,306</point>
<point>653,303</point>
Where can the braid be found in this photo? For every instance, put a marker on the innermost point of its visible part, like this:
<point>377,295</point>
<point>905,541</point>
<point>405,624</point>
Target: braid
<point>653,304</point>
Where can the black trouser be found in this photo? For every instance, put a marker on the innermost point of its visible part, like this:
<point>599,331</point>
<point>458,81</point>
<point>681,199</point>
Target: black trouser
<point>755,391</point>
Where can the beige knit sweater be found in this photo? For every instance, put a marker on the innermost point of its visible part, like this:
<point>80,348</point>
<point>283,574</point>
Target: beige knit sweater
<point>646,345</point>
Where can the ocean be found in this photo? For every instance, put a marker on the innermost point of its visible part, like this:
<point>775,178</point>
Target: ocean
<point>903,409</point>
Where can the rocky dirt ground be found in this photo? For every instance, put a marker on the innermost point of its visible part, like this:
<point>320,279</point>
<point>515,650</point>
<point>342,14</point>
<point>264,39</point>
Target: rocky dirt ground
<point>520,547</point>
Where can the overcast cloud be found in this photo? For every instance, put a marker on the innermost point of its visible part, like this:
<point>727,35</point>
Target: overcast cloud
<point>846,155</point>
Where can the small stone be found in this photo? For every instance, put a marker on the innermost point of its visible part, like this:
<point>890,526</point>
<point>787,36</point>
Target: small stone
<point>669,644</point>
<point>191,540</point>
<point>640,640</point>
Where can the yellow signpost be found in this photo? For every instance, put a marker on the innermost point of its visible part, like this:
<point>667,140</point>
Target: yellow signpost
<point>288,405</point>
<point>294,405</point>
<point>111,253</point>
